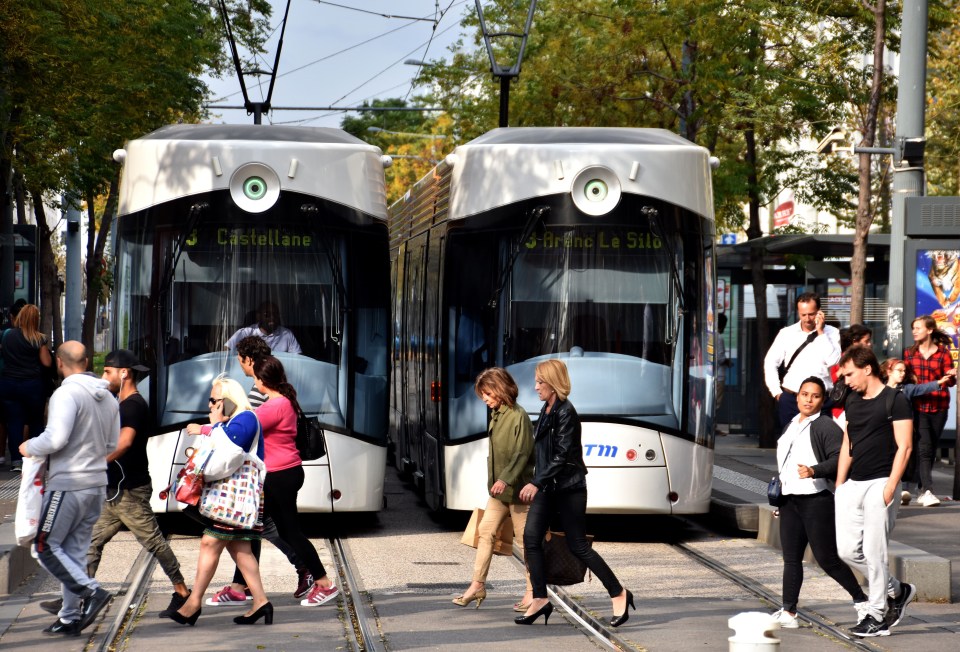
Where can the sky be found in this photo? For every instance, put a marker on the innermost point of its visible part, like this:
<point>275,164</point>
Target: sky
<point>342,53</point>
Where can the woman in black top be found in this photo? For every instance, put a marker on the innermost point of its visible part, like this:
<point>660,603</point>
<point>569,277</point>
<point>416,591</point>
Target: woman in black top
<point>26,360</point>
<point>559,488</point>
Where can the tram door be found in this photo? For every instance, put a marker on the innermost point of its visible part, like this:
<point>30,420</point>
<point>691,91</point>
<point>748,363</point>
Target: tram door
<point>432,449</point>
<point>413,359</point>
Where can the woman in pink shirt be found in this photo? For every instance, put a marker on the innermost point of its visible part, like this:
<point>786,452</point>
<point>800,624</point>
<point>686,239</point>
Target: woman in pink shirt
<point>278,418</point>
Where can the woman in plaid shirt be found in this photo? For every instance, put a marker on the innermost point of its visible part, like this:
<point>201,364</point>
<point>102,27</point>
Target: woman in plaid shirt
<point>929,360</point>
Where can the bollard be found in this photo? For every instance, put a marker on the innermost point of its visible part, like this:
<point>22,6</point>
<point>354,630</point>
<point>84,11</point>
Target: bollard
<point>754,632</point>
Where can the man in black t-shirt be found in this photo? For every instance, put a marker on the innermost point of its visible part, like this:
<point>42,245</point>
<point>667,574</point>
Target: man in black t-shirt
<point>128,479</point>
<point>877,439</point>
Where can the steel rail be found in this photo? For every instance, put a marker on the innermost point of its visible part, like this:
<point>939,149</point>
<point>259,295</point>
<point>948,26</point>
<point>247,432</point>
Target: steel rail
<point>596,628</point>
<point>759,590</point>
<point>367,636</point>
<point>127,603</point>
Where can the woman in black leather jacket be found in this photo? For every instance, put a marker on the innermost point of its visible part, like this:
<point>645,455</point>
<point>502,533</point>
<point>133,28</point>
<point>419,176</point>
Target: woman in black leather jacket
<point>559,487</point>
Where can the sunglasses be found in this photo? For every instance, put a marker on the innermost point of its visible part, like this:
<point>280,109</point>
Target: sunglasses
<point>213,401</point>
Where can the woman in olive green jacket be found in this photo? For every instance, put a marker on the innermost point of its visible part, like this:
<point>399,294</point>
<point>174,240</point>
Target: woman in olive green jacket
<point>509,467</point>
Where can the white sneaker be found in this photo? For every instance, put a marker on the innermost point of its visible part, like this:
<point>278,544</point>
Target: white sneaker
<point>863,608</point>
<point>927,499</point>
<point>786,619</point>
<point>905,497</point>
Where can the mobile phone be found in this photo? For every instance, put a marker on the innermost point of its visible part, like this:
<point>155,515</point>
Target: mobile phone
<point>229,407</point>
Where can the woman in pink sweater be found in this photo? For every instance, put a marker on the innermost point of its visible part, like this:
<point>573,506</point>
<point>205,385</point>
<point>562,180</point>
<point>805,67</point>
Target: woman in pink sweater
<point>278,418</point>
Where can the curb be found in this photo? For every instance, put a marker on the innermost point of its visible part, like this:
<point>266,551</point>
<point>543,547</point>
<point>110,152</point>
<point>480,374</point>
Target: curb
<point>16,564</point>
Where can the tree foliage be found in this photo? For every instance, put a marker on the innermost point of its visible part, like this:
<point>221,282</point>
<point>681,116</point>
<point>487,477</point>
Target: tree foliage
<point>83,77</point>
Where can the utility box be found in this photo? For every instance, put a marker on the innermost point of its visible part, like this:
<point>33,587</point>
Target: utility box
<point>931,261</point>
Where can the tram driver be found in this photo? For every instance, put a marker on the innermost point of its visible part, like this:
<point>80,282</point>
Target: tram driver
<point>268,327</point>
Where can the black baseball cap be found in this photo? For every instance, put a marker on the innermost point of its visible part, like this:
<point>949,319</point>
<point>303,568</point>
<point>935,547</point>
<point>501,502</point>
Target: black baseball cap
<point>123,359</point>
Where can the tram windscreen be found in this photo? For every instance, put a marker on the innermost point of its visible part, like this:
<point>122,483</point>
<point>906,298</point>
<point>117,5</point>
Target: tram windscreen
<point>604,299</point>
<point>188,296</point>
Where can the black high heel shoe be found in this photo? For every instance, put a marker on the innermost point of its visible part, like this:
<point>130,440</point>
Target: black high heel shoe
<point>616,621</point>
<point>546,610</point>
<point>177,617</point>
<point>266,611</point>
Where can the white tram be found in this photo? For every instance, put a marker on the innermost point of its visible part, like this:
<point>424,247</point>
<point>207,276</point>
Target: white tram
<point>593,245</point>
<point>218,220</point>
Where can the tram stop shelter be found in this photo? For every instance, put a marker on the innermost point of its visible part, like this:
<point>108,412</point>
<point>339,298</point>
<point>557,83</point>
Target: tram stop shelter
<point>793,264</point>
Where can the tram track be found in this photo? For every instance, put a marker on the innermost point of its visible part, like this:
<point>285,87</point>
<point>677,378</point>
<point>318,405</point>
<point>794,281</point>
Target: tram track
<point>750,585</point>
<point>361,623</point>
<point>594,628</point>
<point>126,606</point>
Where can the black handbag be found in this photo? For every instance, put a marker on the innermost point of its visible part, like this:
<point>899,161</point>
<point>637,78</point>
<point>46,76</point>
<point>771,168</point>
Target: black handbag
<point>775,488</point>
<point>310,437</point>
<point>775,492</point>
<point>561,567</point>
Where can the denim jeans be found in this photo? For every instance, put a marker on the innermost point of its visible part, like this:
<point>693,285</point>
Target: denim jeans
<point>570,508</point>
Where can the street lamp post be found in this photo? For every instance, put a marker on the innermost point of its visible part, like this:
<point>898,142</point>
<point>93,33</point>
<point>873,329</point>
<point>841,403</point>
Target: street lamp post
<point>505,73</point>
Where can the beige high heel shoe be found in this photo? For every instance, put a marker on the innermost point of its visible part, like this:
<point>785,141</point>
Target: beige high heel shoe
<point>463,601</point>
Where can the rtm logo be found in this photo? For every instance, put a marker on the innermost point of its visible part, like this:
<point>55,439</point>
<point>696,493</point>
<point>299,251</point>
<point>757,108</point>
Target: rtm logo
<point>602,450</point>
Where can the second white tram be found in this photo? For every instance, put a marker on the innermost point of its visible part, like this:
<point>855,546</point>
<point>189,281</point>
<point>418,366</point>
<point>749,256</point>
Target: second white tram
<point>217,220</point>
<point>593,245</point>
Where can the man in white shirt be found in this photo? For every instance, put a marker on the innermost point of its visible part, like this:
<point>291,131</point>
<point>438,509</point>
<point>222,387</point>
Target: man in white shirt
<point>807,348</point>
<point>279,338</point>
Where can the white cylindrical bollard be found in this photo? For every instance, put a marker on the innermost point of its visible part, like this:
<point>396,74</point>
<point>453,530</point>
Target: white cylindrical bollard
<point>754,632</point>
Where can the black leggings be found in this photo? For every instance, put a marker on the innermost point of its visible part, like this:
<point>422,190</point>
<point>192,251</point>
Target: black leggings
<point>928,426</point>
<point>570,507</point>
<point>280,489</point>
<point>810,519</point>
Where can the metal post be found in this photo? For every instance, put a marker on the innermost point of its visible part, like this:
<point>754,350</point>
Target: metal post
<point>72,272</point>
<point>6,245</point>
<point>504,101</point>
<point>908,182</point>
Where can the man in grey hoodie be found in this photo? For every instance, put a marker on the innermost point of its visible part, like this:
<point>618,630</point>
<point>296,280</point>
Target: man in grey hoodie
<point>83,426</point>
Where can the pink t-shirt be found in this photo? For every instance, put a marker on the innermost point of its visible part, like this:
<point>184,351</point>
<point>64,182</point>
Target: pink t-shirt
<point>279,422</point>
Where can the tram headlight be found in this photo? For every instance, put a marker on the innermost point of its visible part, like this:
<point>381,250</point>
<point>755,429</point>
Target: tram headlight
<point>596,190</point>
<point>254,187</point>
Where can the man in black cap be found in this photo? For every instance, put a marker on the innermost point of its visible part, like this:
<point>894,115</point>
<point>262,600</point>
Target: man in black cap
<point>128,479</point>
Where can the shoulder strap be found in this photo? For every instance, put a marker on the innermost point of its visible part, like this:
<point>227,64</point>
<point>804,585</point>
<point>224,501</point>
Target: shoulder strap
<point>811,337</point>
<point>891,397</point>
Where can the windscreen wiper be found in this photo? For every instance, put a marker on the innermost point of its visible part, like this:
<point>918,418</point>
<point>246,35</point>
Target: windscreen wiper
<point>536,216</point>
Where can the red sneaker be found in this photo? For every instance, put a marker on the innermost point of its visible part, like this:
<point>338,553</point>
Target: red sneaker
<point>304,583</point>
<point>320,595</point>
<point>228,596</point>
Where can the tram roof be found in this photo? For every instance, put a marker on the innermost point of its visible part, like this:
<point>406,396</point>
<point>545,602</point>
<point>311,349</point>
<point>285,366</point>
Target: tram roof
<point>580,135</point>
<point>254,132</point>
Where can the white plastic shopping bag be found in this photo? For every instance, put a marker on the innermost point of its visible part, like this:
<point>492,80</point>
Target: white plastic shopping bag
<point>30,501</point>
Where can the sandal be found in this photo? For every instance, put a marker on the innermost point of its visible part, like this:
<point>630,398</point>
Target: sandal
<point>521,607</point>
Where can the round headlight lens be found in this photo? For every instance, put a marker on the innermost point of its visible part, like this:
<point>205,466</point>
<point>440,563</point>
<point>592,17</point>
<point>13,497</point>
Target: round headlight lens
<point>595,190</point>
<point>255,188</point>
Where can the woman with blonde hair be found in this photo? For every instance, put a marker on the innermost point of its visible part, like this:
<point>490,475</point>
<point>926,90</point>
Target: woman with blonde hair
<point>509,466</point>
<point>559,489</point>
<point>26,360</point>
<point>231,411</point>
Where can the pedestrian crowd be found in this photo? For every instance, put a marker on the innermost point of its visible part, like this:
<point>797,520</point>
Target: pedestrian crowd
<point>858,438</point>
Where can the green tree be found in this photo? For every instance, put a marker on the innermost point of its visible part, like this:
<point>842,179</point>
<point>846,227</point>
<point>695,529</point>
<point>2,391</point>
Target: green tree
<point>88,76</point>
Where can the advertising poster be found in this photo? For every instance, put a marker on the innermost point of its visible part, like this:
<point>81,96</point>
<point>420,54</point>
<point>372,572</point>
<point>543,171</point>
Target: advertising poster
<point>938,295</point>
<point>938,290</point>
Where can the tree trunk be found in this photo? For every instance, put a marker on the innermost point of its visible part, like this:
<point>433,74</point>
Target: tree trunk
<point>858,261</point>
<point>96,243</point>
<point>50,319</point>
<point>769,424</point>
